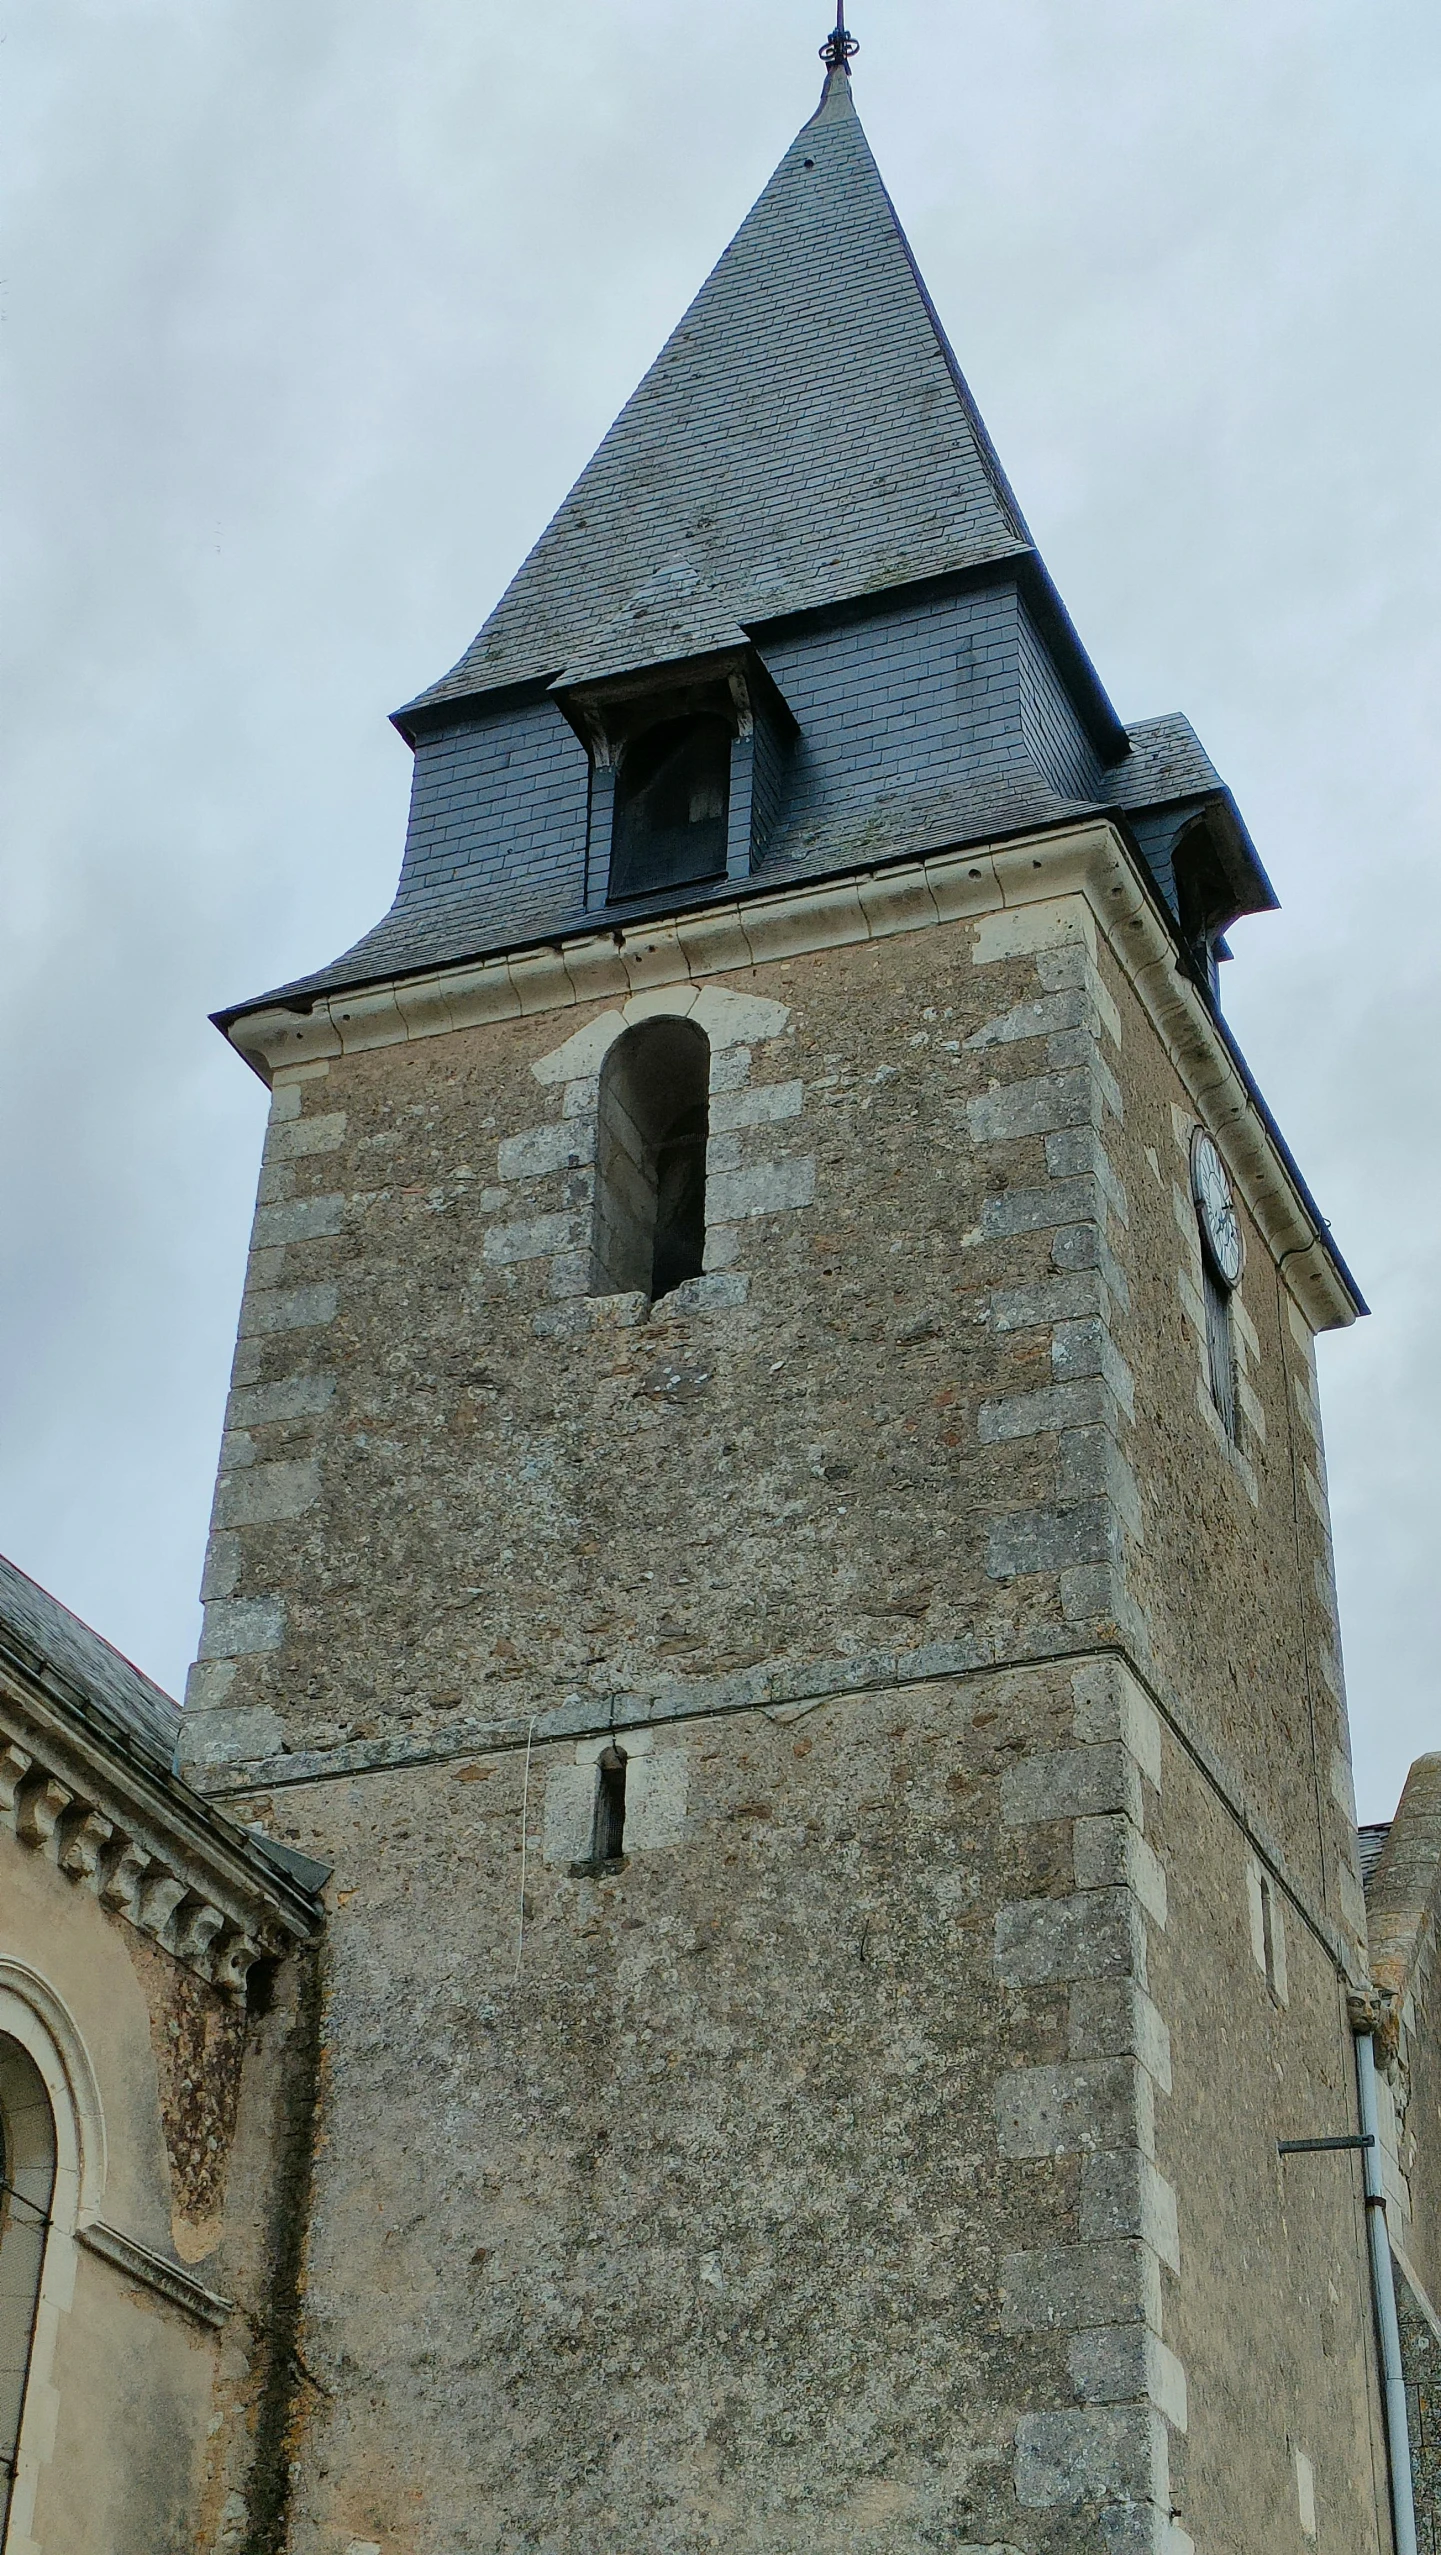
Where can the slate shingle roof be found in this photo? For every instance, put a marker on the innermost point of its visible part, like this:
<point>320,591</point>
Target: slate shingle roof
<point>1167,761</point>
<point>806,435</point>
<point>140,1713</point>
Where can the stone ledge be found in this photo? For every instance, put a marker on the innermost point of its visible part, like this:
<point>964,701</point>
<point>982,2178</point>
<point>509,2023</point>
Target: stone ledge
<point>168,2279</point>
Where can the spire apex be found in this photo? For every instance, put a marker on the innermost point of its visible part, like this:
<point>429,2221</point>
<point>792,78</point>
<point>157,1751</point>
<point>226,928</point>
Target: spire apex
<point>840,47</point>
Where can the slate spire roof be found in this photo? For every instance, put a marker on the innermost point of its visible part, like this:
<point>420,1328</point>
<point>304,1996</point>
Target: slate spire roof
<point>805,437</point>
<point>802,483</point>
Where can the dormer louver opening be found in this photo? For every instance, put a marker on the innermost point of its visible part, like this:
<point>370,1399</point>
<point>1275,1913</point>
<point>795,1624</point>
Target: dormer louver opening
<point>688,772</point>
<point>672,806</point>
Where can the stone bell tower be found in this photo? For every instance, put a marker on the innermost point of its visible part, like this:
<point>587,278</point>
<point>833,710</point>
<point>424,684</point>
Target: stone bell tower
<point>773,1532</point>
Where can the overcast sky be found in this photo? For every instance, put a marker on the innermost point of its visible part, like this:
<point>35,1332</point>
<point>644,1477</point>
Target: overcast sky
<point>311,310</point>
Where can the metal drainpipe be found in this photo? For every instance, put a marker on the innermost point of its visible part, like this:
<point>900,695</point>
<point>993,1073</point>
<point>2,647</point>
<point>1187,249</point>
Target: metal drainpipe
<point>1383,2296</point>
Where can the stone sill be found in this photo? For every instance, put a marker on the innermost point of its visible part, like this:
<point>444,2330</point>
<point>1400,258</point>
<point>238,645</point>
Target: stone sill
<point>722,1292</point>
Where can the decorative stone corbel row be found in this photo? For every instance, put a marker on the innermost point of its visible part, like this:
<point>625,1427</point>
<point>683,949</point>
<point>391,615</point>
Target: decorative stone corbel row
<point>1090,860</point>
<point>146,1846</point>
<point>152,2271</point>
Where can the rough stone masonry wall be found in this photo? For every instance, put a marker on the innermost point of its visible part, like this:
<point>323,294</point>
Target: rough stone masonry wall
<point>793,2185</point>
<point>1249,1643</point>
<point>910,1365</point>
<point>1271,2316</point>
<point>909,1458</point>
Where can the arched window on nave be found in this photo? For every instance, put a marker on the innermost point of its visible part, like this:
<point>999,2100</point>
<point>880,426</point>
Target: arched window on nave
<point>27,2189</point>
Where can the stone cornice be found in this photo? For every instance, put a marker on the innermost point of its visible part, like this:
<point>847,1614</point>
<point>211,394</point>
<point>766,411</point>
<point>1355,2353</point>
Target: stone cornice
<point>146,1846</point>
<point>1091,860</point>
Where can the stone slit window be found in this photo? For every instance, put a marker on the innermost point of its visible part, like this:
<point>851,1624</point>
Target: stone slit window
<point>1268,1931</point>
<point>608,1842</point>
<point>672,806</point>
<point>652,1129</point>
<point>1220,1346</point>
<point>27,2190</point>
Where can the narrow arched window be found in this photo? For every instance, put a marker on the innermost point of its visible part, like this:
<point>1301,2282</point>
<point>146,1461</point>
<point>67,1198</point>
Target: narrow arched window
<point>672,806</point>
<point>652,1128</point>
<point>27,2189</point>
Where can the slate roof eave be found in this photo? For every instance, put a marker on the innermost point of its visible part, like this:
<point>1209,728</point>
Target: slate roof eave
<point>302,994</point>
<point>115,1691</point>
<point>125,1714</point>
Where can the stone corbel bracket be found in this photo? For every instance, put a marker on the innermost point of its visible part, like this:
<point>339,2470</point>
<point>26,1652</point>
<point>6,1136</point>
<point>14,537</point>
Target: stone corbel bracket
<point>141,1841</point>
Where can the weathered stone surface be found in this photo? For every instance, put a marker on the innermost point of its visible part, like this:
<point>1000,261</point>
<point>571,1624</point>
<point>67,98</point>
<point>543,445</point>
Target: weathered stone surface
<point>1126,2366</point>
<point>536,1239</point>
<point>1097,1935</point>
<point>239,1626</point>
<point>1054,1407</point>
<point>1053,1539</point>
<point>721,1292</point>
<point>1042,1017</point>
<point>295,1308</point>
<point>1033,1108</point>
<point>1040,1307</point>
<point>303,1136</point>
<point>1111,1853</point>
<point>1071,1783</point>
<point>303,1220</point>
<point>568,1146</point>
<point>1072,2110</point>
<point>293,1397</point>
<point>1122,2194</point>
<point>765,1188</point>
<point>1065,2460</point>
<point>1085,1347</point>
<point>1116,2019</point>
<point>1068,2288</point>
<point>267,1493</point>
<point>767,1104</point>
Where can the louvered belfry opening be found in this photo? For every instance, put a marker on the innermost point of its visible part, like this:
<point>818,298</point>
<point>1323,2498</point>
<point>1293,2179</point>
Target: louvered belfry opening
<point>653,1127</point>
<point>672,805</point>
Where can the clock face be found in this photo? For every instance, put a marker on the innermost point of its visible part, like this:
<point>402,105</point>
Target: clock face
<point>1216,1207</point>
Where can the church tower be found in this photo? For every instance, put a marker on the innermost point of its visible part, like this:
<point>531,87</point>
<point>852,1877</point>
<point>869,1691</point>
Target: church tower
<point>773,1532</point>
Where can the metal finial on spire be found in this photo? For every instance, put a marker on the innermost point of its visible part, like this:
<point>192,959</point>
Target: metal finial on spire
<point>840,48</point>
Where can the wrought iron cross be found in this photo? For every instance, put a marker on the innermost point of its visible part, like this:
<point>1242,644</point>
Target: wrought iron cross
<point>840,48</point>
